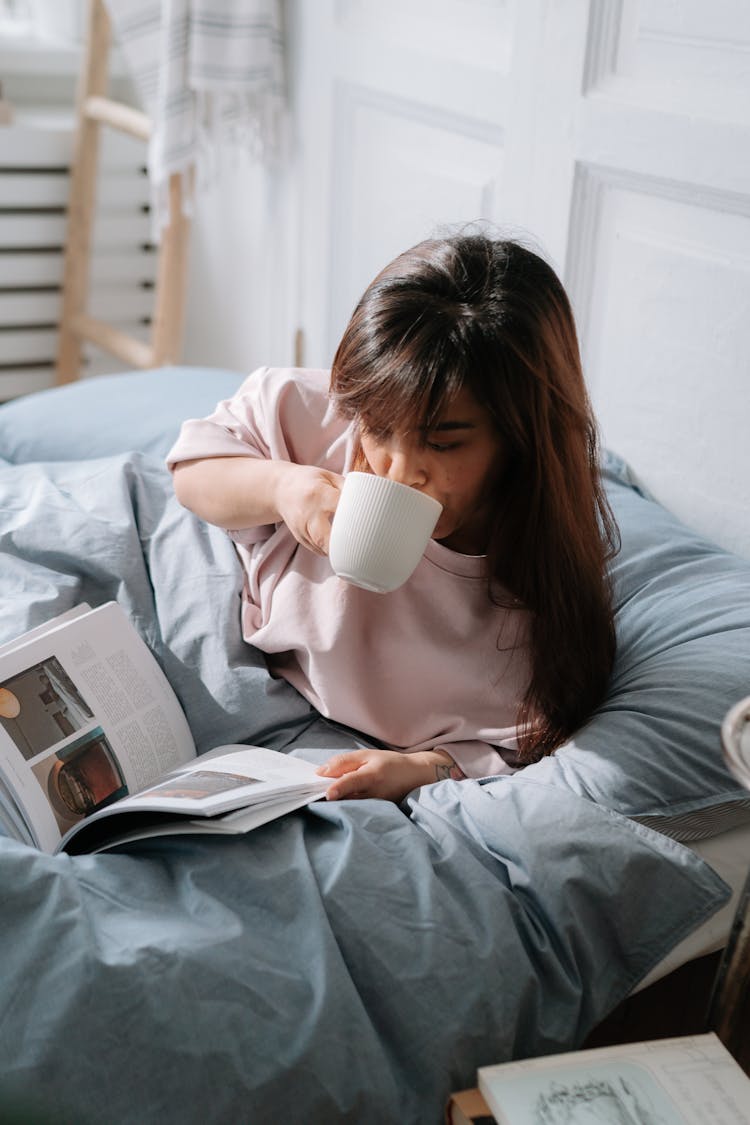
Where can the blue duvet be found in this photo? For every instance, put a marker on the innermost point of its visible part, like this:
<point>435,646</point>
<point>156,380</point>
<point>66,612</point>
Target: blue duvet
<point>353,962</point>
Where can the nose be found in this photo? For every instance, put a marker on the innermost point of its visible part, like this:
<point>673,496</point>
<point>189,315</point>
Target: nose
<point>405,464</point>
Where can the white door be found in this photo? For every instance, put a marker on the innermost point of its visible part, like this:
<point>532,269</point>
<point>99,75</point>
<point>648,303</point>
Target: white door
<point>656,164</point>
<point>615,132</point>
<point>399,117</point>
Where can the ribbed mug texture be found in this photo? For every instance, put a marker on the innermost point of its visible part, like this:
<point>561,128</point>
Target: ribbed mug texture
<point>380,531</point>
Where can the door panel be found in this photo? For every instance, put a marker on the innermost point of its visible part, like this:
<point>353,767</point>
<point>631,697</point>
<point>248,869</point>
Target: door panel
<point>399,171</point>
<point>658,249</point>
<point>666,332</point>
<point>615,134</point>
<point>398,118</point>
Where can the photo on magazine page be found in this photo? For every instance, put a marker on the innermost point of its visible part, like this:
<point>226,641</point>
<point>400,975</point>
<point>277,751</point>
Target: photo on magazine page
<point>198,785</point>
<point>80,778</point>
<point>40,706</point>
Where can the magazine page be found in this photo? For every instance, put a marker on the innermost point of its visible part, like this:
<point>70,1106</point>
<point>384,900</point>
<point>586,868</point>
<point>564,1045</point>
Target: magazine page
<point>12,821</point>
<point>86,717</point>
<point>239,777</point>
<point>690,1080</point>
<point>233,792</point>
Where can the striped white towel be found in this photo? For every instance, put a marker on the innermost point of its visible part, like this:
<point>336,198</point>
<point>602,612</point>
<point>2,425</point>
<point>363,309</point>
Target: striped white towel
<point>210,74</point>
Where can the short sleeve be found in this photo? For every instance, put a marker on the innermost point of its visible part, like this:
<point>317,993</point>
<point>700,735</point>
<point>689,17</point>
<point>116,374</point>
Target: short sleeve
<point>278,414</point>
<point>273,415</point>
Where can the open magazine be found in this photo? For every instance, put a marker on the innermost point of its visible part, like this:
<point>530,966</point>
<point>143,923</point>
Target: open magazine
<point>96,750</point>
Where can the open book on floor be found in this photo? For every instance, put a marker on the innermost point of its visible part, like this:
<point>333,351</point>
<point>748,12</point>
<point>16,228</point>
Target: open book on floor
<point>96,750</point>
<point>690,1080</point>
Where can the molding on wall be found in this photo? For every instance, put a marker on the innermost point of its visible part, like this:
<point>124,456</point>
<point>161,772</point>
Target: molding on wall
<point>591,184</point>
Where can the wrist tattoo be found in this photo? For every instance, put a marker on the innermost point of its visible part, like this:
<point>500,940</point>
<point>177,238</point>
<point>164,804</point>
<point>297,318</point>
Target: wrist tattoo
<point>448,771</point>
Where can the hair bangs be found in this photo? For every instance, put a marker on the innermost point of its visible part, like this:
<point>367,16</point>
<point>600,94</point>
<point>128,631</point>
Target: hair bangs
<point>407,385</point>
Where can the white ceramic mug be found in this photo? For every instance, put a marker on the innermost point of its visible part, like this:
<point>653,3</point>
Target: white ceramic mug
<point>380,530</point>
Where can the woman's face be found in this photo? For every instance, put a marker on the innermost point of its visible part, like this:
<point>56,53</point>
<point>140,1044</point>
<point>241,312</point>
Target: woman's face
<point>457,462</point>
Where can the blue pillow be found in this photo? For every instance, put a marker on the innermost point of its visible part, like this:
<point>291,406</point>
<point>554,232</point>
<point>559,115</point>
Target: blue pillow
<point>652,751</point>
<point>111,414</point>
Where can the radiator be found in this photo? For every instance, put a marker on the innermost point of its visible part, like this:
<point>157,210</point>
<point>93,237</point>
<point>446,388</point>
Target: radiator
<point>34,174</point>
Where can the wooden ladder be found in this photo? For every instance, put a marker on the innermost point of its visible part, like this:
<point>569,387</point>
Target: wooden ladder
<point>93,110</point>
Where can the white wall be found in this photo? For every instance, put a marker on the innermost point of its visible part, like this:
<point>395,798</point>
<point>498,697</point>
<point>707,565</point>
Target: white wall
<point>240,311</point>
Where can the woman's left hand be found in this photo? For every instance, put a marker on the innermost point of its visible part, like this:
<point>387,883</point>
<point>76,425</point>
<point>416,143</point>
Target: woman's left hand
<point>387,774</point>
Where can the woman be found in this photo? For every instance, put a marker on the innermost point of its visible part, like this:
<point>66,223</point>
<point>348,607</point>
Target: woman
<point>459,374</point>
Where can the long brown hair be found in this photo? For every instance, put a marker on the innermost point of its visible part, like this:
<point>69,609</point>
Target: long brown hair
<point>492,316</point>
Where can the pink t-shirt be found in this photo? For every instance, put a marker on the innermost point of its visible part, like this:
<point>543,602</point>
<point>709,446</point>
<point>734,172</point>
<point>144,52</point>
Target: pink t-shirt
<point>432,664</point>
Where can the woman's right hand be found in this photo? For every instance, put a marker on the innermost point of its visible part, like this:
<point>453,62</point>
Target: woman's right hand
<point>306,498</point>
<point>244,492</point>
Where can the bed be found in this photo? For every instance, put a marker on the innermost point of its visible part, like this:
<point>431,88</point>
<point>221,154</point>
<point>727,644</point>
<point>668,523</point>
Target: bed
<point>355,961</point>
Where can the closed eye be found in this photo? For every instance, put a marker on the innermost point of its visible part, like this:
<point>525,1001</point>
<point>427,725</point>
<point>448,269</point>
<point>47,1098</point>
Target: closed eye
<point>443,446</point>
<point>448,435</point>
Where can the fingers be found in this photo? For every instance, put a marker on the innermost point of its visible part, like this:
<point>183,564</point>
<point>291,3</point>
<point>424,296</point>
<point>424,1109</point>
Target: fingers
<point>387,774</point>
<point>318,527</point>
<point>319,533</point>
<point>330,493</point>
<point>336,481</point>
<point>345,767</point>
<point>306,499</point>
<point>345,790</point>
<point>375,773</point>
<point>343,763</point>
